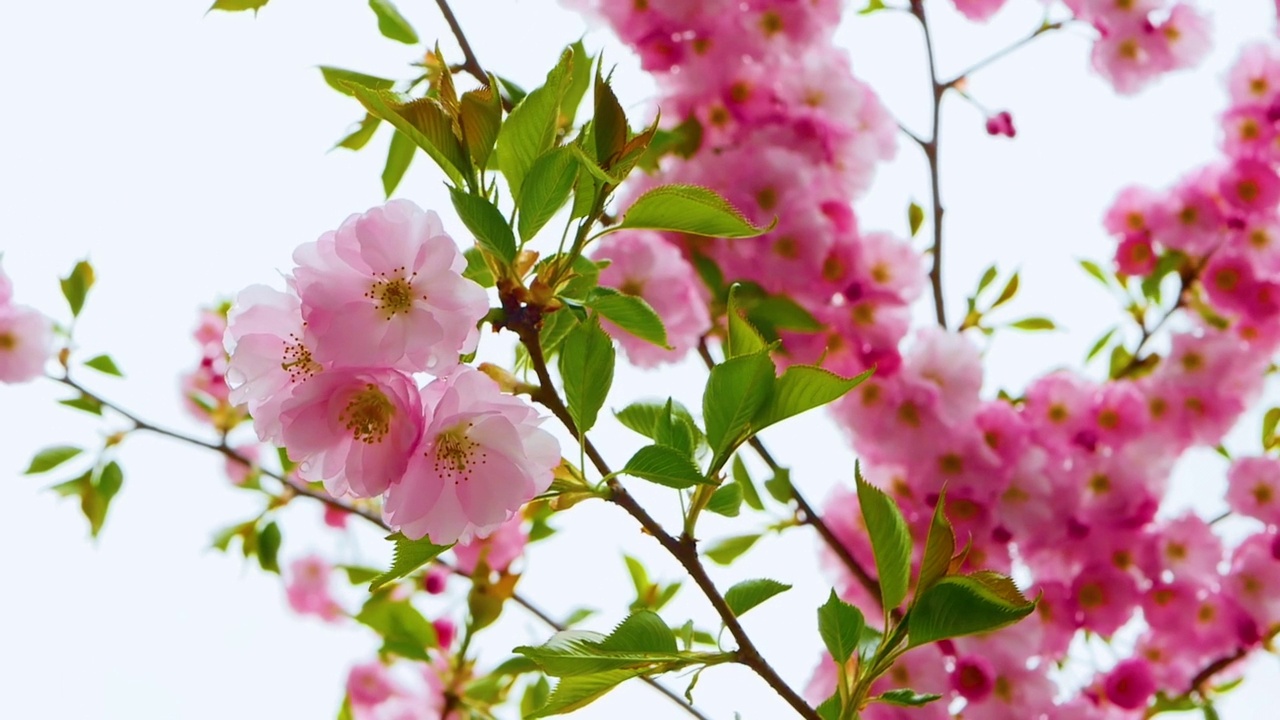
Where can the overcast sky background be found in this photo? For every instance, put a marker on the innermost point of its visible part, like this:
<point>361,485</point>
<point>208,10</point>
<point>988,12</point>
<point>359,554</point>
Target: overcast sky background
<point>185,155</point>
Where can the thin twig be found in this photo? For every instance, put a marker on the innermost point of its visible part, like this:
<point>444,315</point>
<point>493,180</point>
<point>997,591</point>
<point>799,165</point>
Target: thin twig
<point>469,62</point>
<point>930,148</point>
<point>1000,54</point>
<point>301,488</point>
<point>684,549</point>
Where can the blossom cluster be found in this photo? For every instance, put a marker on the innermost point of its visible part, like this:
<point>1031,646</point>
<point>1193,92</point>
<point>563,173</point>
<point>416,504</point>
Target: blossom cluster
<point>328,371</point>
<point>1066,482</point>
<point>26,337</point>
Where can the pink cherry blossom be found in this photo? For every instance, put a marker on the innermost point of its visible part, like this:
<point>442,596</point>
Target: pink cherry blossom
<point>307,588</point>
<point>1130,684</point>
<point>353,429</point>
<point>386,290</point>
<point>501,548</point>
<point>370,684</point>
<point>26,341</point>
<point>973,678</point>
<point>979,10</point>
<point>481,457</point>
<point>271,354</point>
<point>6,288</point>
<point>1253,488</point>
<point>237,472</point>
<point>646,266</point>
<point>1250,186</point>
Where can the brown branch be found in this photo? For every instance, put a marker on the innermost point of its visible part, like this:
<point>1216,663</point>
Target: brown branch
<point>684,549</point>
<point>1000,54</point>
<point>930,148</point>
<point>469,62</point>
<point>300,488</point>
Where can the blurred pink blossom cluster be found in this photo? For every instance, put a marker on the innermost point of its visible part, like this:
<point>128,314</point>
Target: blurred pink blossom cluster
<point>1139,40</point>
<point>328,370</point>
<point>377,693</point>
<point>26,337</point>
<point>1064,484</point>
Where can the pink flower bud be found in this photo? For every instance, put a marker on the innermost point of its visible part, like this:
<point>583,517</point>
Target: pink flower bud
<point>446,631</point>
<point>1001,124</point>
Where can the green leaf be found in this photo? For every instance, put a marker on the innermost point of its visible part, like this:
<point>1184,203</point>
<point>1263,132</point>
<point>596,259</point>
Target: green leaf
<point>749,593</point>
<point>535,696</point>
<point>357,575</point>
<point>779,486</point>
<point>425,122</point>
<point>530,130</point>
<point>682,140</point>
<point>1097,272</point>
<point>549,181</point>
<point>477,269</point>
<point>586,365</point>
<point>964,605</point>
<point>345,712</point>
<point>735,392</point>
<point>572,693</point>
<point>50,458</point>
<point>840,625</point>
<point>689,209</point>
<point>642,642</point>
<point>1269,423</point>
<point>643,631</point>
<point>1120,359</point>
<point>939,547</point>
<point>342,80</point>
<point>110,480</point>
<point>1033,323</point>
<point>639,576</point>
<point>480,119</point>
<point>744,339</point>
<point>409,556</point>
<point>361,136</point>
<point>579,81</point>
<point>269,548</point>
<point>669,424</point>
<point>830,708</point>
<point>405,632</point>
<point>801,388</point>
<point>392,24</point>
<point>872,6</point>
<point>903,697</point>
<point>486,224</point>
<point>988,277</point>
<point>915,218</point>
<point>890,541</point>
<point>238,5</point>
<point>85,403</point>
<point>727,500</point>
<point>75,287</point>
<point>1010,289</point>
<point>609,126</point>
<point>743,479</point>
<point>399,155</point>
<point>664,466</point>
<point>1101,343</point>
<point>779,312</point>
<point>629,312</point>
<point>729,549</point>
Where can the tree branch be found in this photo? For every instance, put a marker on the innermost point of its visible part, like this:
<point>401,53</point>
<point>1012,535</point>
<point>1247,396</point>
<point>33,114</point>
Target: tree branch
<point>469,62</point>
<point>684,549</point>
<point>1000,54</point>
<point>298,487</point>
<point>930,148</point>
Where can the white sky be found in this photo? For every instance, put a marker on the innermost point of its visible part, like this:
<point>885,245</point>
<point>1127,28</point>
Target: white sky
<point>185,155</point>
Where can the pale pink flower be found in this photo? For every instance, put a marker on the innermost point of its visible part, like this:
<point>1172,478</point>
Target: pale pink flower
<point>1130,54</point>
<point>979,10</point>
<point>1253,488</point>
<point>26,341</point>
<point>1255,78</point>
<point>271,354</point>
<point>1135,255</point>
<point>353,429</point>
<point>1130,684</point>
<point>950,366</point>
<point>307,588</point>
<point>1254,579</point>
<point>646,266</point>
<point>6,288</point>
<point>370,684</point>
<point>1187,36</point>
<point>1106,597</point>
<point>237,472</point>
<point>1132,212</point>
<point>481,457</point>
<point>499,550</point>
<point>386,290</point>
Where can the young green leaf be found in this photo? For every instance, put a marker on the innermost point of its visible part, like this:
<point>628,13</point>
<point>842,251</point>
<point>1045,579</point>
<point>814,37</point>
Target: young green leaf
<point>530,130</point>
<point>399,156</point>
<point>75,287</point>
<point>749,493</point>
<point>727,500</point>
<point>639,576</point>
<point>477,268</point>
<point>424,122</point>
<point>341,80</point>
<point>801,388</point>
<point>690,209</point>
<point>586,366</point>
<point>50,458</point>
<point>405,632</point>
<point>549,181</point>
<point>840,625</point>
<point>664,466</point>
<point>960,605</point>
<point>392,24</point>
<point>269,548</point>
<point>238,5</point>
<point>358,138</point>
<point>915,218</point>
<point>749,593</point>
<point>579,81</point>
<point>735,392</point>
<point>988,277</point>
<point>939,548</point>
<point>629,312</point>
<point>1010,289</point>
<point>903,697</point>
<point>486,223</point>
<point>573,693</point>
<point>1033,323</point>
<point>1269,423</point>
<point>641,642</point>
<point>609,127</point>
<point>1097,272</point>
<point>779,486</point>
<point>409,556</point>
<point>729,549</point>
<point>890,541</point>
<point>480,119</point>
<point>1101,343</point>
<point>772,313</point>
<point>743,338</point>
<point>84,402</point>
